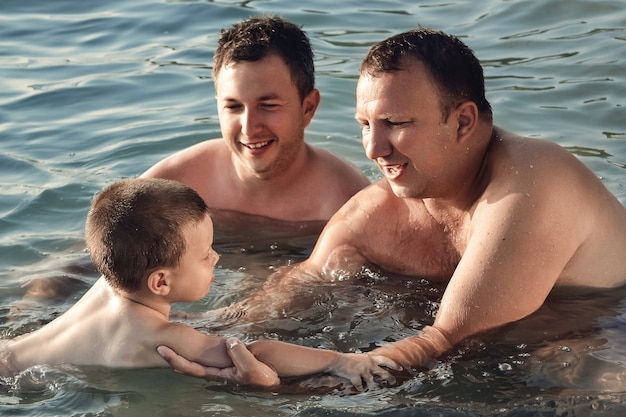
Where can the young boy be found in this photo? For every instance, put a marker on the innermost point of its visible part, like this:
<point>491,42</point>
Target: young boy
<point>152,241</point>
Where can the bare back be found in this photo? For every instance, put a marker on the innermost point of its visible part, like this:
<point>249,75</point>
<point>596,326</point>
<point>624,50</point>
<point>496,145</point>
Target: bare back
<point>104,329</point>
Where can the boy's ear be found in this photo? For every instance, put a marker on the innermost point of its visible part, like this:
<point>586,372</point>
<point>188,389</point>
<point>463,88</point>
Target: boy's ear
<point>159,281</point>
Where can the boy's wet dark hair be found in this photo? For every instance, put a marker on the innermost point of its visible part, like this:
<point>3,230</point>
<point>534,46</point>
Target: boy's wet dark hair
<point>137,225</point>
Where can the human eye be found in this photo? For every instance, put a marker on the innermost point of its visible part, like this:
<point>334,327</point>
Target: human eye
<point>232,106</point>
<point>363,123</point>
<point>270,105</point>
<point>397,123</point>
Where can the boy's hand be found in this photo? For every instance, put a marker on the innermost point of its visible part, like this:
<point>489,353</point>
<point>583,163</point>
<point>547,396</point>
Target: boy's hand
<point>359,367</point>
<point>247,370</point>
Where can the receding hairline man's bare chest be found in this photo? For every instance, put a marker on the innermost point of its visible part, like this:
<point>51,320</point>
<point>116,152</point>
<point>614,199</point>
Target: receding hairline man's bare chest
<point>412,242</point>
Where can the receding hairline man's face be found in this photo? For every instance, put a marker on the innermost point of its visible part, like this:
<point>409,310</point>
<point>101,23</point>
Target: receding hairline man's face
<point>403,129</point>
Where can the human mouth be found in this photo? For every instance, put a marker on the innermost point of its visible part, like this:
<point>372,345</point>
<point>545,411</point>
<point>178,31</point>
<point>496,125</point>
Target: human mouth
<point>393,171</point>
<point>257,145</point>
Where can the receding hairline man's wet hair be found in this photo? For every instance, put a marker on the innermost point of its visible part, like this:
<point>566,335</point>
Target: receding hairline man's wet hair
<point>451,64</point>
<point>254,39</point>
<point>138,225</point>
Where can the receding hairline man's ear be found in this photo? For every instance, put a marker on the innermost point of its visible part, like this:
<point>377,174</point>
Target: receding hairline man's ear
<point>467,115</point>
<point>159,281</point>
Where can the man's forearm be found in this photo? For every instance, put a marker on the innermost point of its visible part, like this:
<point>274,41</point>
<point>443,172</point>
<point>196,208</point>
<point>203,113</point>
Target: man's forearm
<point>286,289</point>
<point>417,351</point>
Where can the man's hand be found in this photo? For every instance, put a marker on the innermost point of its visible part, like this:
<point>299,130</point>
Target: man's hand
<point>247,370</point>
<point>416,352</point>
<point>359,367</point>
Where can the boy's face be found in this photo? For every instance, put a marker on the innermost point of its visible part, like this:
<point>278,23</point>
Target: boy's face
<point>195,272</point>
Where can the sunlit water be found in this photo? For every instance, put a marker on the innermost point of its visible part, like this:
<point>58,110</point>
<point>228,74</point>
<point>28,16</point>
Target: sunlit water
<point>91,92</point>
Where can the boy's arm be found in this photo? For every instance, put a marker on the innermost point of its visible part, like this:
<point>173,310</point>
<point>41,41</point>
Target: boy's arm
<point>212,355</point>
<point>267,358</point>
<point>246,369</point>
<point>294,361</point>
<point>275,359</point>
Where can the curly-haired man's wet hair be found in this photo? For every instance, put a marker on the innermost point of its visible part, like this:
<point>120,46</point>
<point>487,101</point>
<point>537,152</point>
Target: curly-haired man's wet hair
<point>254,39</point>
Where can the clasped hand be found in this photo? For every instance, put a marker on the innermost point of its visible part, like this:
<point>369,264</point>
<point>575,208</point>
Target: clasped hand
<point>247,370</point>
<point>364,367</point>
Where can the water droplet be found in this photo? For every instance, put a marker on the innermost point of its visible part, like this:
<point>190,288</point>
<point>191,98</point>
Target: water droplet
<point>504,366</point>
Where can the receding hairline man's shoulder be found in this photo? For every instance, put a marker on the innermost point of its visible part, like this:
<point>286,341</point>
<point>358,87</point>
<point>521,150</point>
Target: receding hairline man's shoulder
<point>542,171</point>
<point>373,200</point>
<point>531,156</point>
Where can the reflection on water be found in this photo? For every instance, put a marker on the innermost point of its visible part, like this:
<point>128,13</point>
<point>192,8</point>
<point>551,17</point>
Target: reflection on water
<point>96,91</point>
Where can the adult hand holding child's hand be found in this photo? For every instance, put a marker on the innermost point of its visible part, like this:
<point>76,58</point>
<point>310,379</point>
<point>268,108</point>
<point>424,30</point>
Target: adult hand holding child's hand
<point>364,367</point>
<point>247,370</point>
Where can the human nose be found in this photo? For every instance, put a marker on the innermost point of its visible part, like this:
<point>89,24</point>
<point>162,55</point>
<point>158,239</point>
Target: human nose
<point>250,122</point>
<point>214,257</point>
<point>376,143</point>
